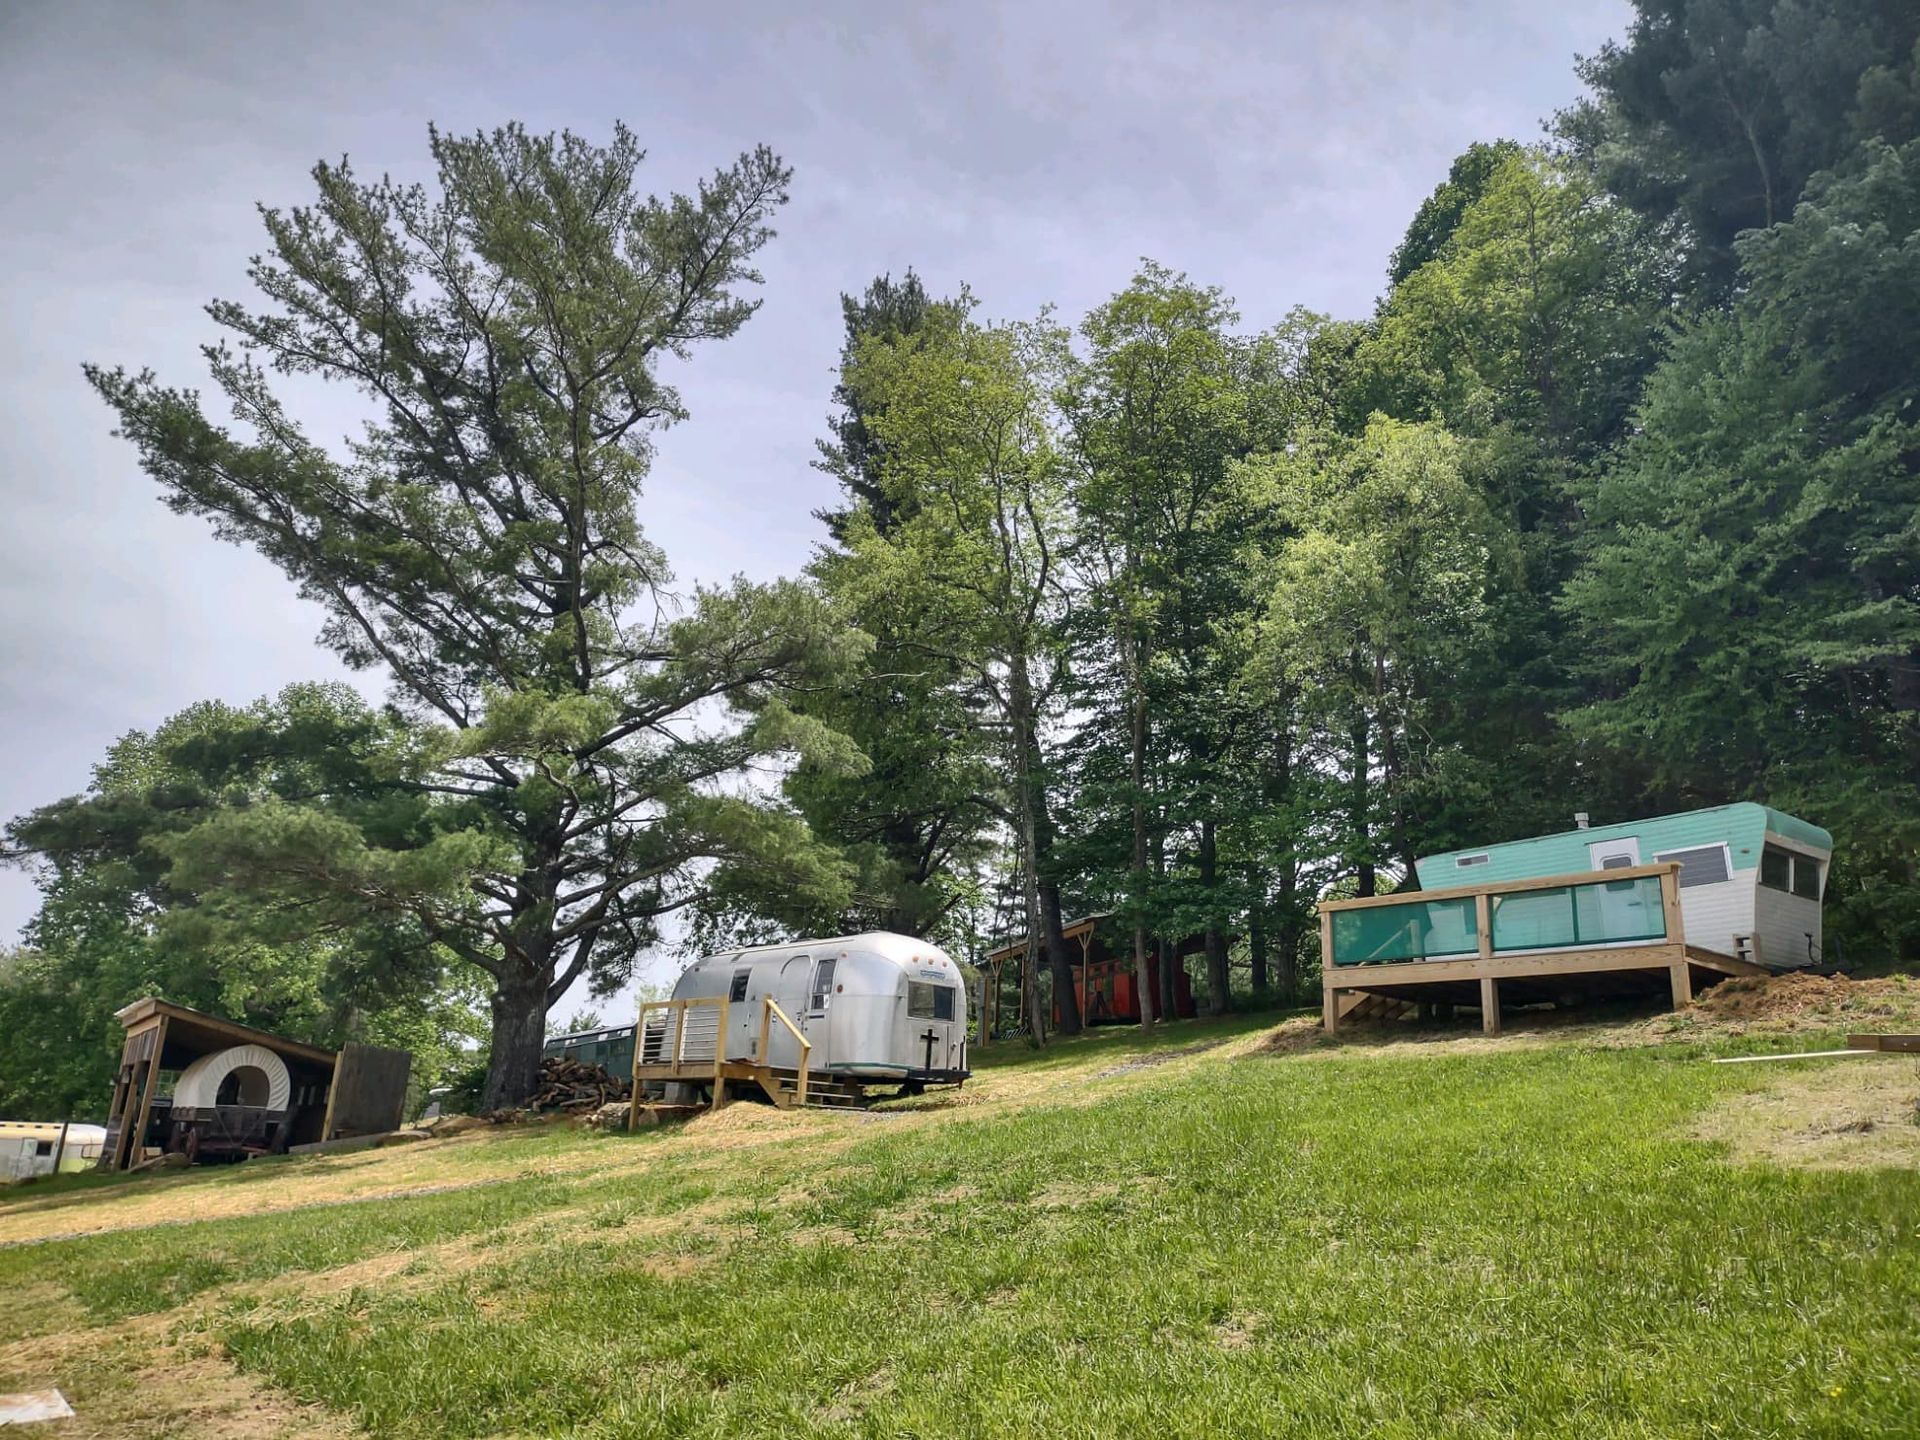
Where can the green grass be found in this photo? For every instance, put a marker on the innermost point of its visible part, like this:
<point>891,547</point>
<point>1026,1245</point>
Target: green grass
<point>1512,1243</point>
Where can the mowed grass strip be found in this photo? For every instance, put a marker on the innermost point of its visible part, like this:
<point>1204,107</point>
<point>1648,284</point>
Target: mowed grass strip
<point>1519,1243</point>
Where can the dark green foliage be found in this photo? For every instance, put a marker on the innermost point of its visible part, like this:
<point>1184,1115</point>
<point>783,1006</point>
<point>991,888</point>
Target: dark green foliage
<point>1439,214</point>
<point>1750,603</point>
<point>115,925</point>
<point>1715,114</point>
<point>575,731</point>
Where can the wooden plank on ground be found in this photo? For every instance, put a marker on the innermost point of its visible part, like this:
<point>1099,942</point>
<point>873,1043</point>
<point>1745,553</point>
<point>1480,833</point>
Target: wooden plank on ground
<point>1898,1044</point>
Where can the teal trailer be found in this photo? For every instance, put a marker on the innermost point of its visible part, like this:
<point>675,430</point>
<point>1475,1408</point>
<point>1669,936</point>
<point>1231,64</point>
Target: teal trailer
<point>1751,877</point>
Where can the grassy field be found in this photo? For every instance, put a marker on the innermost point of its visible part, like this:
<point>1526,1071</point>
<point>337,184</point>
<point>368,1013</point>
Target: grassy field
<point>1234,1231</point>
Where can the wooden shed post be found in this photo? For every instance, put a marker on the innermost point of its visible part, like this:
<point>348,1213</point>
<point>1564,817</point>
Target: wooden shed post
<point>1483,923</point>
<point>1489,1004</point>
<point>135,1147</point>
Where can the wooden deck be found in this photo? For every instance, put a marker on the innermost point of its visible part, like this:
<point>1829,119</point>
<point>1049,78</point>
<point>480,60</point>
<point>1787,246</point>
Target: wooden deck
<point>1487,980</point>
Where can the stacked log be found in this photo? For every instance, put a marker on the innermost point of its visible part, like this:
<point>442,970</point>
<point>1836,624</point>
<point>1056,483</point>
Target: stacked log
<point>573,1085</point>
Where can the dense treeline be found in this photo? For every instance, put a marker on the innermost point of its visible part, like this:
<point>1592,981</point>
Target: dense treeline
<point>1609,506</point>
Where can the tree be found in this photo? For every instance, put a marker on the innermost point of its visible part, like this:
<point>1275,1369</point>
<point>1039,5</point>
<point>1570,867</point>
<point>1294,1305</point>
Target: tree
<point>919,820</point>
<point>1750,604</point>
<point>1716,113</point>
<point>1163,402</point>
<point>975,488</point>
<point>1375,599</point>
<point>1439,214</point>
<point>112,926</point>
<point>480,543</point>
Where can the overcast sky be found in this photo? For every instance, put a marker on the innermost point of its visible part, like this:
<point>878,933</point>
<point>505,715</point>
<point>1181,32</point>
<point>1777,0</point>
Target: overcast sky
<point>1033,151</point>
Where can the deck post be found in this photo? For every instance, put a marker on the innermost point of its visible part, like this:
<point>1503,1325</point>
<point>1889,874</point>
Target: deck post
<point>1483,924</point>
<point>1489,1005</point>
<point>1676,925</point>
<point>1330,997</point>
<point>720,1056</point>
<point>1681,974</point>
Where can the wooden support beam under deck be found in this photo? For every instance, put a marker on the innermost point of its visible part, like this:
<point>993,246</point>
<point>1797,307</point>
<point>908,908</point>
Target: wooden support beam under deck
<point>1489,1005</point>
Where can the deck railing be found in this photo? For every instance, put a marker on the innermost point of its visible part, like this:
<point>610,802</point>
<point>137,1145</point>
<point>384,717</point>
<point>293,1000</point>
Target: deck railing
<point>1637,905</point>
<point>685,1040</point>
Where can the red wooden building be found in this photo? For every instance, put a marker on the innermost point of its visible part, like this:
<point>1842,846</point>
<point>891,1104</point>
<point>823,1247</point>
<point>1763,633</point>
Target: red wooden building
<point>1103,975</point>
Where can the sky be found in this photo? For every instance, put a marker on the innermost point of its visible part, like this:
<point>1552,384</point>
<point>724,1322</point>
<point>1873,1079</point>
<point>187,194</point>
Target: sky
<point>1035,152</point>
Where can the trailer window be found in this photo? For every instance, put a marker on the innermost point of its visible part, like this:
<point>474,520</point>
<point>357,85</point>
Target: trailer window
<point>43,1147</point>
<point>739,988</point>
<point>822,986</point>
<point>927,1001</point>
<point>1704,865</point>
<point>1806,878</point>
<point>1784,870</point>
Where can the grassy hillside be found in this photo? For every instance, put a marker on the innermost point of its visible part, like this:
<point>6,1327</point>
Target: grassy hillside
<point>1233,1232</point>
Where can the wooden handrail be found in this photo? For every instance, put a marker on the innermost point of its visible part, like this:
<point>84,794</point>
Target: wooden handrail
<point>677,1013</point>
<point>1504,887</point>
<point>768,1016</point>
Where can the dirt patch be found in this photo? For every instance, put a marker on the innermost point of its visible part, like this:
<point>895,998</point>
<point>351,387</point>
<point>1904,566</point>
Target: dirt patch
<point>1847,1114</point>
<point>1758,1005</point>
<point>1238,1330</point>
<point>1812,1001</point>
<point>1155,1058</point>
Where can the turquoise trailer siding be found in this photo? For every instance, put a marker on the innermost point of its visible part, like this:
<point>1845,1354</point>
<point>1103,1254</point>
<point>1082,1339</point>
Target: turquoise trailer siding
<point>1742,827</point>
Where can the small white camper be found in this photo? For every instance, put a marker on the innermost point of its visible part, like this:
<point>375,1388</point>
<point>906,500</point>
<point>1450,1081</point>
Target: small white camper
<point>877,1007</point>
<point>29,1148</point>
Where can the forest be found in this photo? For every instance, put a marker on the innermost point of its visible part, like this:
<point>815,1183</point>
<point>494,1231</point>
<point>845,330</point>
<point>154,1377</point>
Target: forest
<point>1194,609</point>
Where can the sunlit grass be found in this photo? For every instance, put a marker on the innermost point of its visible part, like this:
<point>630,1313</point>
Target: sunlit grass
<point>1517,1242</point>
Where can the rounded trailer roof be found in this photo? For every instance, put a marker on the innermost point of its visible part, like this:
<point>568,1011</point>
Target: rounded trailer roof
<point>885,943</point>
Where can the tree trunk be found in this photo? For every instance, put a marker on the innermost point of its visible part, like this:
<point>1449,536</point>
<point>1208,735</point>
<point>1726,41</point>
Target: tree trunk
<point>1216,939</point>
<point>519,1034</point>
<point>1021,724</point>
<point>1288,979</point>
<point>1059,959</point>
<point>1257,952</point>
<point>1137,771</point>
<point>1360,802</point>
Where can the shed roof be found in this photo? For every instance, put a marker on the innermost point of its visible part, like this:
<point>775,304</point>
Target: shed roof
<point>194,1032</point>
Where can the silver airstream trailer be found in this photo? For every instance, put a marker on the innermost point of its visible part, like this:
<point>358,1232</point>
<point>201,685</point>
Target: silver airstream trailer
<point>876,1008</point>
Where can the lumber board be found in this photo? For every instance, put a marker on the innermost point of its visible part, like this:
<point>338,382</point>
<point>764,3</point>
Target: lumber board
<point>1892,1044</point>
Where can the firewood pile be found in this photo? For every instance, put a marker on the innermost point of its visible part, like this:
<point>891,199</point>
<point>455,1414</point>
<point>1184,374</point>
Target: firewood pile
<point>575,1085</point>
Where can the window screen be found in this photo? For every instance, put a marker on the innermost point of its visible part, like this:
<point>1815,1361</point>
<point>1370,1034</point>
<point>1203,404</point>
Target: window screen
<point>1706,865</point>
<point>739,989</point>
<point>1806,877</point>
<point>927,1001</point>
<point>1776,867</point>
<point>822,986</point>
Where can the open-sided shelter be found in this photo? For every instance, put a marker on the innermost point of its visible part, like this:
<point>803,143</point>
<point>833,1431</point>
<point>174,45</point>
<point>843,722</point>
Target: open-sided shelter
<point>239,1091</point>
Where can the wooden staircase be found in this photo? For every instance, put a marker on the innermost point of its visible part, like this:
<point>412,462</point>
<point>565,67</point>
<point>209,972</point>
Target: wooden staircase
<point>1364,1005</point>
<point>782,1086</point>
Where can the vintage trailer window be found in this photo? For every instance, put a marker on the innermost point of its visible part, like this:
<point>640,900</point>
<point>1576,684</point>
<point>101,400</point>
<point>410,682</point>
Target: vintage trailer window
<point>1704,865</point>
<point>1776,869</point>
<point>1806,878</point>
<point>927,1001</point>
<point>822,986</point>
<point>738,990</point>
<point>1784,870</point>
